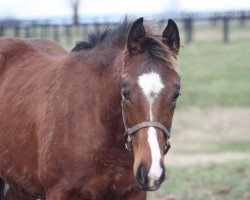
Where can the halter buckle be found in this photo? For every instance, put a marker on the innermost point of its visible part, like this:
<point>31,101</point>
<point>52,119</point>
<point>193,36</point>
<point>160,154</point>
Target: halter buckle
<point>128,144</point>
<point>167,147</point>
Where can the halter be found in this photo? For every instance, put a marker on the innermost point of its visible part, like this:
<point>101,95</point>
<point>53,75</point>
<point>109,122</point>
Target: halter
<point>132,130</point>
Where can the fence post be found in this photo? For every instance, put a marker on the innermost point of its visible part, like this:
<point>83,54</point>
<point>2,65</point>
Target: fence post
<point>242,18</point>
<point>27,31</point>
<point>56,32</point>
<point>16,30</point>
<point>188,27</point>
<point>225,29</point>
<point>1,30</point>
<point>45,30</point>
<point>35,30</point>
<point>68,29</point>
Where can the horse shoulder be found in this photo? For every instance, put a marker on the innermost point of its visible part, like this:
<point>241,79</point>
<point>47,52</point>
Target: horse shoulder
<point>48,47</point>
<point>13,49</point>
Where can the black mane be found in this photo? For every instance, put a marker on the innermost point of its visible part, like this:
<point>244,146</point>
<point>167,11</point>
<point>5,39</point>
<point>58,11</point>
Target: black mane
<point>94,38</point>
<point>99,35</point>
<point>118,36</point>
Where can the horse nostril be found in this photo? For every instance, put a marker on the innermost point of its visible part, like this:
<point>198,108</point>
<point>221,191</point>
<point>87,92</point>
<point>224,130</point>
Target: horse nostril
<point>162,178</point>
<point>142,176</point>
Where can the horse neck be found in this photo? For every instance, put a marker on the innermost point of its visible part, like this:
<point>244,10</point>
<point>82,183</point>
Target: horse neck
<point>96,73</point>
<point>109,98</point>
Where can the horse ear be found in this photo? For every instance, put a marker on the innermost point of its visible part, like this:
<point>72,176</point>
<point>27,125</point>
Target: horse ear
<point>136,36</point>
<point>171,37</point>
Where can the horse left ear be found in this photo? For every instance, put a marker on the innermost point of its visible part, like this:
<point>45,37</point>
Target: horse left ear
<point>136,36</point>
<point>171,37</point>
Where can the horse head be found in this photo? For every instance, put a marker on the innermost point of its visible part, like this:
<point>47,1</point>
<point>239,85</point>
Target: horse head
<point>150,86</point>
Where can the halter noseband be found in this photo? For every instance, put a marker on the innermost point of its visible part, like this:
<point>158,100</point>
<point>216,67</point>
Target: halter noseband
<point>132,130</point>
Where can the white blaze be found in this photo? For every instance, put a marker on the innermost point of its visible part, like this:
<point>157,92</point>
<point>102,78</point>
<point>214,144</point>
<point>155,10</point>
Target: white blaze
<point>151,86</point>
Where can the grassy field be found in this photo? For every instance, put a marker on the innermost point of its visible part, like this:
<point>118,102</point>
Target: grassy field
<point>210,155</point>
<point>215,74</point>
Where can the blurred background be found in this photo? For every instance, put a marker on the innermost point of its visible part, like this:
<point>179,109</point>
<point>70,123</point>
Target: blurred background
<point>210,154</point>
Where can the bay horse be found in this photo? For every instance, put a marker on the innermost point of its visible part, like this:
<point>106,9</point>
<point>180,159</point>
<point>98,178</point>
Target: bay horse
<point>65,117</point>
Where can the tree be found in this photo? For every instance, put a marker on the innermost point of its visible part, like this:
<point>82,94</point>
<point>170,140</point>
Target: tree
<point>75,8</point>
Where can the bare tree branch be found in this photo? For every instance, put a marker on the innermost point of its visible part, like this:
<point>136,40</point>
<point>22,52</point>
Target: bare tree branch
<point>75,8</point>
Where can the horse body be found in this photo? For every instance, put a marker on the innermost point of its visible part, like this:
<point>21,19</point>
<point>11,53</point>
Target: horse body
<point>61,122</point>
<point>38,115</point>
<point>87,121</point>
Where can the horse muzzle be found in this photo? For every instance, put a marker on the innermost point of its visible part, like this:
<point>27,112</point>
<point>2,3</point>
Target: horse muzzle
<point>147,181</point>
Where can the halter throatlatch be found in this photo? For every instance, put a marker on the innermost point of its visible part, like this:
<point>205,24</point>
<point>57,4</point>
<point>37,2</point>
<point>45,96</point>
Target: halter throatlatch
<point>131,131</point>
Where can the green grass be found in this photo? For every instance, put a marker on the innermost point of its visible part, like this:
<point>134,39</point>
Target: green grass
<point>214,147</point>
<point>215,74</point>
<point>218,182</point>
<point>232,146</point>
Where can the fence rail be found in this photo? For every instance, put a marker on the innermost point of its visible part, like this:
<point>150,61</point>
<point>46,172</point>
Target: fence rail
<point>58,29</point>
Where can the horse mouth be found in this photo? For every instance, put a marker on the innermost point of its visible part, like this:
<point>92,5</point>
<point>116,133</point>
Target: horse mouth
<point>154,187</point>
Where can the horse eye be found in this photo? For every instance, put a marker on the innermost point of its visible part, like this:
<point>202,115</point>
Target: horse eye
<point>125,95</point>
<point>176,96</point>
